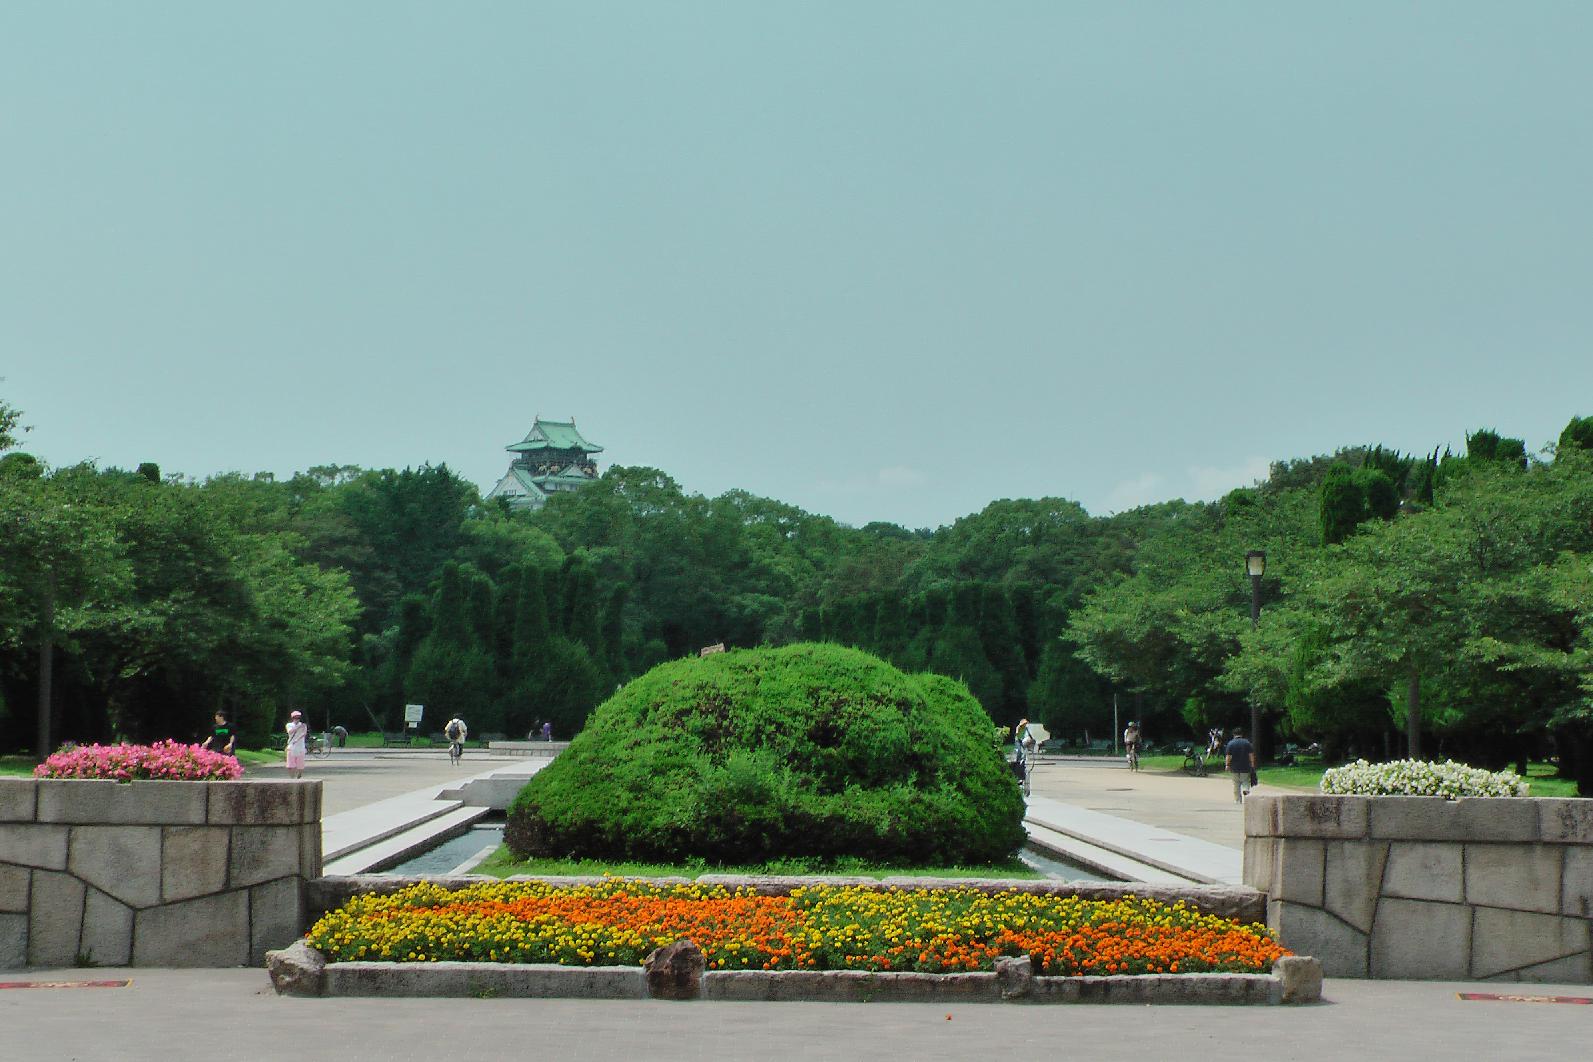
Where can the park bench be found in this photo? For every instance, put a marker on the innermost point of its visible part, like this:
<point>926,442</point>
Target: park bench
<point>400,737</point>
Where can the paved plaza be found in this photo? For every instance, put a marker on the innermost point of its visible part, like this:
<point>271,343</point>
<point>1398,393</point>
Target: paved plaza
<point>1197,807</point>
<point>179,1015</point>
<point>203,1015</point>
<point>354,778</point>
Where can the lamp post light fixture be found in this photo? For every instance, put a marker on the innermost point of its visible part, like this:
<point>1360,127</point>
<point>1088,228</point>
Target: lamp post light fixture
<point>1255,567</point>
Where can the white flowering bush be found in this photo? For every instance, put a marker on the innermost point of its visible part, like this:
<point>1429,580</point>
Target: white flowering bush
<point>1449,780</point>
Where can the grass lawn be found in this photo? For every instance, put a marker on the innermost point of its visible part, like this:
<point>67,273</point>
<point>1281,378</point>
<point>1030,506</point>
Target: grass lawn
<point>1541,781</point>
<point>501,864</point>
<point>260,758</point>
<point>16,766</point>
<point>1541,777</point>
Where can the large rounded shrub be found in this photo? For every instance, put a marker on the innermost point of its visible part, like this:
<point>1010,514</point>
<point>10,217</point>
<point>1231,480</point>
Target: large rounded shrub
<point>804,751</point>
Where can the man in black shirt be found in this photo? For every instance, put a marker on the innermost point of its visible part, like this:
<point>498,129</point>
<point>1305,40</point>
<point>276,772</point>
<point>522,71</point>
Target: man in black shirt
<point>222,738</point>
<point>1240,760</point>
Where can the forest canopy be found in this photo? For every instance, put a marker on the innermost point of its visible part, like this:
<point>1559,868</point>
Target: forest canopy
<point>1439,600</point>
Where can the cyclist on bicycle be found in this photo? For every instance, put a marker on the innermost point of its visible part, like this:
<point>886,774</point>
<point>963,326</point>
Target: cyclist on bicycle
<point>1131,744</point>
<point>456,732</point>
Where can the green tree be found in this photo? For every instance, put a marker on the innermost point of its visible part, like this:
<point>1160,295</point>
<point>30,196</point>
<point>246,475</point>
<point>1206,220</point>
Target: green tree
<point>1578,434</point>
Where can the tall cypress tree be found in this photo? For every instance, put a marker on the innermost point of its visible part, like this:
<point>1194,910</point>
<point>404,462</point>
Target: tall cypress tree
<point>483,610</point>
<point>890,627</point>
<point>810,625</point>
<point>614,631</point>
<point>1340,504</point>
<point>450,610</point>
<point>1026,611</point>
<point>998,633</point>
<point>530,616</point>
<point>582,621</point>
<point>958,653</point>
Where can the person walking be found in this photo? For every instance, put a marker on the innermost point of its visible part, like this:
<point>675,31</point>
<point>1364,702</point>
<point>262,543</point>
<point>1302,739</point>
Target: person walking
<point>547,731</point>
<point>1024,742</point>
<point>1239,759</point>
<point>298,743</point>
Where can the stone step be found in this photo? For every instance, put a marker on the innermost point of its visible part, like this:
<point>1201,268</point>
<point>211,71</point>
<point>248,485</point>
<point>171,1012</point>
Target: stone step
<point>1098,859</point>
<point>395,848</point>
<point>351,831</point>
<point>1187,857</point>
<point>474,861</point>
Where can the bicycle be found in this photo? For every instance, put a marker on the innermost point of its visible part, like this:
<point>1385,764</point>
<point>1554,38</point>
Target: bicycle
<point>456,749</point>
<point>1196,758</point>
<point>323,747</point>
<point>1133,756</point>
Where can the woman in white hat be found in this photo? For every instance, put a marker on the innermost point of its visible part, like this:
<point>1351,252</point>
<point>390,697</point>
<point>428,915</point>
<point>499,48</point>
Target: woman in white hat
<point>298,737</point>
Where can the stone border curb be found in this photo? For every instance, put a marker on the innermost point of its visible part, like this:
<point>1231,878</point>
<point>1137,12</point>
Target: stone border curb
<point>303,971</point>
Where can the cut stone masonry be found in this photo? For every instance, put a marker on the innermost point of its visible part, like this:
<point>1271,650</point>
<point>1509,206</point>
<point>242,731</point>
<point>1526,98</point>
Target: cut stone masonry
<point>1497,889</point>
<point>153,873</point>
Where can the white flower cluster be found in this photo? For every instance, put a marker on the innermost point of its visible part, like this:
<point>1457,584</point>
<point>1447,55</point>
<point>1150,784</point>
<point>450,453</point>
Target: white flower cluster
<point>1449,780</point>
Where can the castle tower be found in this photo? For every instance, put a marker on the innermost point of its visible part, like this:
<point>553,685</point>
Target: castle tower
<point>552,457</point>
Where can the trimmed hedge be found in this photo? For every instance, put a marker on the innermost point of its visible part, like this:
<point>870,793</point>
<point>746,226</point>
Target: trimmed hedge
<point>806,750</point>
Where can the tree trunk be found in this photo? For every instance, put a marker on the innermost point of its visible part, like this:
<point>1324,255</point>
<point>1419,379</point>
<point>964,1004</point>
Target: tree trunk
<point>1413,713</point>
<point>46,671</point>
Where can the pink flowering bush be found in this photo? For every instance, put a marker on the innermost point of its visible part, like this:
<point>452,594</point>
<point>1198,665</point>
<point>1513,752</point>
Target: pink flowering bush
<point>166,760</point>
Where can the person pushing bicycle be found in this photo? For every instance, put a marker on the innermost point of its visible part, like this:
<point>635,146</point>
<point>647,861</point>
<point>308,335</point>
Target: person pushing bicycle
<point>455,732</point>
<point>1131,744</point>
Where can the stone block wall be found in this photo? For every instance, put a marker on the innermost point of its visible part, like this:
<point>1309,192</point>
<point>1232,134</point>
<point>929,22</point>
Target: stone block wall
<point>1497,889</point>
<point>153,873</point>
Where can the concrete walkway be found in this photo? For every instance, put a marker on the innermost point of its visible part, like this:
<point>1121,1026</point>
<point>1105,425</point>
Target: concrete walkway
<point>380,808</point>
<point>1172,822</point>
<point>202,1015</point>
<point>354,778</point>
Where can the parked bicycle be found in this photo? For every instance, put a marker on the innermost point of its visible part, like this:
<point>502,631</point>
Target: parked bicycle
<point>1195,759</point>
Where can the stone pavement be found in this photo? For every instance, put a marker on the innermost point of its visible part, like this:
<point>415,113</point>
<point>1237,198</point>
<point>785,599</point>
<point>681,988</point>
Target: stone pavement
<point>183,1015</point>
<point>1202,808</point>
<point>1191,858</point>
<point>384,806</point>
<point>353,778</point>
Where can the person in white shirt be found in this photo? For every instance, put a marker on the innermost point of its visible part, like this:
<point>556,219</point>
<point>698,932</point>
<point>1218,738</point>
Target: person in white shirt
<point>298,740</point>
<point>1027,746</point>
<point>456,731</point>
<point>1131,745</point>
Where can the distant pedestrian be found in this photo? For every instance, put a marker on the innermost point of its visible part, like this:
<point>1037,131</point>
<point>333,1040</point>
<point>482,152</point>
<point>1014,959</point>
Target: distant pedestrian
<point>547,731</point>
<point>1240,761</point>
<point>298,740</point>
<point>1024,742</point>
<point>223,738</point>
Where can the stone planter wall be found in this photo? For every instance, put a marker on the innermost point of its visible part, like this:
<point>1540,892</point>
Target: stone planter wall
<point>1421,887</point>
<point>153,873</point>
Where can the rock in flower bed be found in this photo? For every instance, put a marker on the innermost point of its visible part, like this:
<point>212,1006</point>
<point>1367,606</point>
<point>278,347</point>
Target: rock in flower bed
<point>952,930</point>
<point>164,760</point>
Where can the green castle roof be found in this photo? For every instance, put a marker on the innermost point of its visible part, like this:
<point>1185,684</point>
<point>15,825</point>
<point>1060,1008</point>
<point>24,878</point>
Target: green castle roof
<point>553,435</point>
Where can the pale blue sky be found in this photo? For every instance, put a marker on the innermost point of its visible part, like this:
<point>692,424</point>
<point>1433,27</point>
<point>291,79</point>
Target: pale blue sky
<point>882,260</point>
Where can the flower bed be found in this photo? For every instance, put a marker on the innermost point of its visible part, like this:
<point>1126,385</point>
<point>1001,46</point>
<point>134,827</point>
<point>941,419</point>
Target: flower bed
<point>820,928</point>
<point>165,760</point>
<point>1449,780</point>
